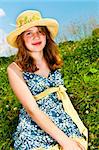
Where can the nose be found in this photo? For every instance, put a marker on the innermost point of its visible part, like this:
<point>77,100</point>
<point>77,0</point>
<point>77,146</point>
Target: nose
<point>36,35</point>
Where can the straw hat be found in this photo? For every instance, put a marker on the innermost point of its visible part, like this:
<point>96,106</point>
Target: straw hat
<point>28,19</point>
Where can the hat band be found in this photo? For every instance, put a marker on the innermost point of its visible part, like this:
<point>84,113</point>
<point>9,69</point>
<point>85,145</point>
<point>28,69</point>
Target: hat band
<point>26,20</point>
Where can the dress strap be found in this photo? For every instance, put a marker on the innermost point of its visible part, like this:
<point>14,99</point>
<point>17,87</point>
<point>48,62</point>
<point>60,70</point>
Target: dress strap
<point>17,66</point>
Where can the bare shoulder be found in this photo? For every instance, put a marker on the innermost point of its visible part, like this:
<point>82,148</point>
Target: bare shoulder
<point>11,66</point>
<point>14,68</point>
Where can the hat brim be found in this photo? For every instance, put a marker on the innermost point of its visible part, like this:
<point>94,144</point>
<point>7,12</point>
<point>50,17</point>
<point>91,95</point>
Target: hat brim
<point>51,24</point>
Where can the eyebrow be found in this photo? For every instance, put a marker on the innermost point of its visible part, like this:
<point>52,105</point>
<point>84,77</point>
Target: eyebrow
<point>28,30</point>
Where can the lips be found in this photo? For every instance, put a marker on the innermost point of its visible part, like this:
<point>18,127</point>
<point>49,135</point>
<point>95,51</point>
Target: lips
<point>37,43</point>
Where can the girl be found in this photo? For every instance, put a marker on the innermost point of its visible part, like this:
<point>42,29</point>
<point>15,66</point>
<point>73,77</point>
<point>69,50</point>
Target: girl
<point>47,119</point>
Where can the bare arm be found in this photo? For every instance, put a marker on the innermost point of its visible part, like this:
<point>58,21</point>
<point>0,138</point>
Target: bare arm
<point>26,98</point>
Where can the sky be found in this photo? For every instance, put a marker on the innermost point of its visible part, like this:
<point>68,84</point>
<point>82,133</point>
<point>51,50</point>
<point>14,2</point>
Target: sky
<point>64,11</point>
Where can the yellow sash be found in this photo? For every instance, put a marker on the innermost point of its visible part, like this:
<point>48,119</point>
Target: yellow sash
<point>68,107</point>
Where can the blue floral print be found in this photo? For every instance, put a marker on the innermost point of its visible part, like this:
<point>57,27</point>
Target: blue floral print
<point>28,134</point>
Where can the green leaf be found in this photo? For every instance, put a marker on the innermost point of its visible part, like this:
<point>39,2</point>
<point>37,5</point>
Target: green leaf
<point>86,78</point>
<point>93,70</point>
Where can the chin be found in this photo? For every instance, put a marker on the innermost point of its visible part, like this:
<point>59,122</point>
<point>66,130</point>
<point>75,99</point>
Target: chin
<point>36,50</point>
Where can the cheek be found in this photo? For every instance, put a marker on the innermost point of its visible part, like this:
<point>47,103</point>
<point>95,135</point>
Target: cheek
<point>27,42</point>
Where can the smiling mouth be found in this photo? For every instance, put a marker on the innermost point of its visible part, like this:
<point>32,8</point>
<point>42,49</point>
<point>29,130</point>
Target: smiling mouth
<point>36,43</point>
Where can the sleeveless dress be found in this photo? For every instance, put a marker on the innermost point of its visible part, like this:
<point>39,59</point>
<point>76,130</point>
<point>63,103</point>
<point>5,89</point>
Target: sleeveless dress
<point>28,134</point>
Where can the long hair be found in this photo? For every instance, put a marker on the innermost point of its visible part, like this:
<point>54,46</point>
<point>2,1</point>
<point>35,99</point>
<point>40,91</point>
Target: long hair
<point>50,51</point>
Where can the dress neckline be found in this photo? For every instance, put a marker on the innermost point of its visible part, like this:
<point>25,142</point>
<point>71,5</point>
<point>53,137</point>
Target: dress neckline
<point>50,72</point>
<point>35,74</point>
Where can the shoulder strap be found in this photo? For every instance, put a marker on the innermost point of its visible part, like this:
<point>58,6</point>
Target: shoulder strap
<point>17,66</point>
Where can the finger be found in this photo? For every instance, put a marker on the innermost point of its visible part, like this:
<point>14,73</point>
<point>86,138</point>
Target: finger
<point>81,146</point>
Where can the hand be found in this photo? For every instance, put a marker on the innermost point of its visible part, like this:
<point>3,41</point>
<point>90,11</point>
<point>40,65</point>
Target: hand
<point>72,145</point>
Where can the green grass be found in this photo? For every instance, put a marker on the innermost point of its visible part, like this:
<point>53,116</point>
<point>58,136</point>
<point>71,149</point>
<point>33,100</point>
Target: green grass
<point>81,77</point>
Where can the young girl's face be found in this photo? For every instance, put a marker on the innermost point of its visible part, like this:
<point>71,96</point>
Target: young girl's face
<point>35,39</point>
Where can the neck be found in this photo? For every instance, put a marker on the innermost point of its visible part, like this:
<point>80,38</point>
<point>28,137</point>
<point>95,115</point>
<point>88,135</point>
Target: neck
<point>38,58</point>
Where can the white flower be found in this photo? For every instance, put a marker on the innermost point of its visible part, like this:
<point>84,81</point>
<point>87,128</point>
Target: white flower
<point>87,112</point>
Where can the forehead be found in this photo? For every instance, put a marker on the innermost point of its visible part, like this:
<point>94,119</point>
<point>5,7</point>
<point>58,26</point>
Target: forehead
<point>32,29</point>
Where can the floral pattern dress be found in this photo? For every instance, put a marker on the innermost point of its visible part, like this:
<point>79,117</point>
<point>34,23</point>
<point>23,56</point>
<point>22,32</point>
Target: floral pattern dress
<point>28,134</point>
